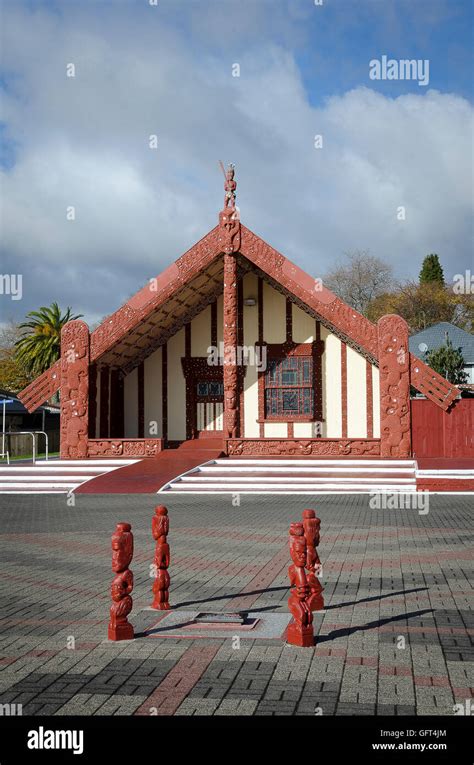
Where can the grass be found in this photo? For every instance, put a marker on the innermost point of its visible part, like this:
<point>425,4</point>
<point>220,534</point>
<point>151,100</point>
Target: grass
<point>30,456</point>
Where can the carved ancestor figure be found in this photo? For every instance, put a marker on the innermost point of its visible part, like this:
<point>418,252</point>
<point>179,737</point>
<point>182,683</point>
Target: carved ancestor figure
<point>230,186</point>
<point>229,219</point>
<point>300,631</point>
<point>312,526</point>
<point>230,410</point>
<point>160,527</point>
<point>122,585</point>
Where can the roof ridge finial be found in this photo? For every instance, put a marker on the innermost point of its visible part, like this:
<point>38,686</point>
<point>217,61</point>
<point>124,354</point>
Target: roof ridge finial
<point>229,217</point>
<point>230,185</point>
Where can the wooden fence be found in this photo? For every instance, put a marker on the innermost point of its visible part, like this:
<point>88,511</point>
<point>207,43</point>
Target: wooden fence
<point>436,433</point>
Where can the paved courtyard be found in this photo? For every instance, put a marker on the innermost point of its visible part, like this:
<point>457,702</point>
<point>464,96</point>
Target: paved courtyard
<point>394,639</point>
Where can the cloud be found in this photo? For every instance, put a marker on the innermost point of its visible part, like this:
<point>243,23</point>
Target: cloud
<point>84,142</point>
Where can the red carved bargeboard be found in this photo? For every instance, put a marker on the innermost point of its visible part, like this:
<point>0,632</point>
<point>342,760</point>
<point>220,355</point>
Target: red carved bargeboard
<point>337,315</point>
<point>124,447</point>
<point>314,447</point>
<point>431,384</point>
<point>74,389</point>
<point>41,389</point>
<point>394,365</point>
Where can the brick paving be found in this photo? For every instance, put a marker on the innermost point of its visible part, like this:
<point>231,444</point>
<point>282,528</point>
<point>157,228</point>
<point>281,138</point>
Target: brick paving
<point>396,636</point>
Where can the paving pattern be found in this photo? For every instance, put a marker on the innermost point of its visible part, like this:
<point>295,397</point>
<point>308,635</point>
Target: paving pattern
<point>395,638</point>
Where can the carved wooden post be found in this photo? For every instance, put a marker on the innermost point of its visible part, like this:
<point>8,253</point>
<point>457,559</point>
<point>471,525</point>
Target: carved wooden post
<point>312,526</point>
<point>394,365</point>
<point>74,390</point>
<point>160,526</point>
<point>300,631</point>
<point>230,347</point>
<point>122,585</point>
<point>229,241</point>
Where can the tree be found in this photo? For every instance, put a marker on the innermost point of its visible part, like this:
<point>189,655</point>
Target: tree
<point>40,344</point>
<point>448,362</point>
<point>13,376</point>
<point>422,305</point>
<point>360,279</point>
<point>432,271</point>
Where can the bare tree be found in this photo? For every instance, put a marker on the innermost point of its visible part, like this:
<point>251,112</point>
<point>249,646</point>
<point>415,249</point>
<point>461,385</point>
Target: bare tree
<point>360,278</point>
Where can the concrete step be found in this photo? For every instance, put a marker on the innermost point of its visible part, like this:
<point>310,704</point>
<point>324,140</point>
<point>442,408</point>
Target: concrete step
<point>260,480</point>
<point>54,476</point>
<point>289,488</point>
<point>307,476</point>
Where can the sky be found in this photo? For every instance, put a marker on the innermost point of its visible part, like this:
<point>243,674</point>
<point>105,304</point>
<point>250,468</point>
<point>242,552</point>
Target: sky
<point>90,211</point>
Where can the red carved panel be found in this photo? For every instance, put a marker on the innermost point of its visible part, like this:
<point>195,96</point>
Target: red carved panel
<point>394,364</point>
<point>124,447</point>
<point>74,390</point>
<point>311,447</point>
<point>431,384</point>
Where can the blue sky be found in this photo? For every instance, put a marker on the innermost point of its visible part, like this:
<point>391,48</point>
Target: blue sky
<point>167,70</point>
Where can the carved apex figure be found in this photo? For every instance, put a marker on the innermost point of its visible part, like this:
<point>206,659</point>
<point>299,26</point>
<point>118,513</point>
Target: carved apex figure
<point>300,631</point>
<point>229,220</point>
<point>122,584</point>
<point>230,186</point>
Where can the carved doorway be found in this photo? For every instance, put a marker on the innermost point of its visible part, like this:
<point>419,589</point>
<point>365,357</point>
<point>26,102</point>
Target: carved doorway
<point>204,399</point>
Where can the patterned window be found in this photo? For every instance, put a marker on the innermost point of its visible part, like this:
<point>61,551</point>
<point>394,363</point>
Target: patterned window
<point>289,387</point>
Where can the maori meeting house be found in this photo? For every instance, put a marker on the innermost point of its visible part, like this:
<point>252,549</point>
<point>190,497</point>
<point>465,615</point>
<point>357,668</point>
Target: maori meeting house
<point>235,343</point>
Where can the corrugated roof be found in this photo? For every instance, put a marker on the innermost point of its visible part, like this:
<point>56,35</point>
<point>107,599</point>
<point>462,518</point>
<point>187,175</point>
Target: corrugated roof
<point>434,337</point>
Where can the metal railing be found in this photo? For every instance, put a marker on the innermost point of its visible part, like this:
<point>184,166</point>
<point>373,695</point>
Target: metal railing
<point>33,434</point>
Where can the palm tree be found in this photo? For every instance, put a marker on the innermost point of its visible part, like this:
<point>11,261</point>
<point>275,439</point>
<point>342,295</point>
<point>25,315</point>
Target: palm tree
<point>40,344</point>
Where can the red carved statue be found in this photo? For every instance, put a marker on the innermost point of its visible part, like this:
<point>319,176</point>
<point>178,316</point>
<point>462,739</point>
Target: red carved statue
<point>312,526</point>
<point>300,631</point>
<point>122,584</point>
<point>160,526</point>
